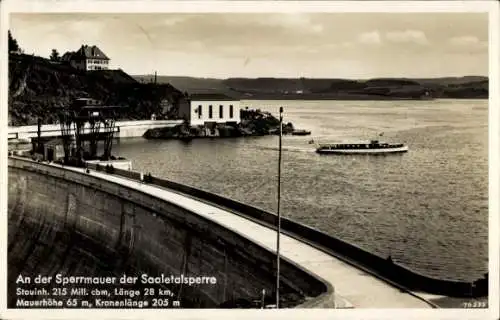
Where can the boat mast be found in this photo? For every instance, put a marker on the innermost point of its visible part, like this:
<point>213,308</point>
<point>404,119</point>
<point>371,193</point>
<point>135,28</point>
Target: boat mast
<point>279,215</point>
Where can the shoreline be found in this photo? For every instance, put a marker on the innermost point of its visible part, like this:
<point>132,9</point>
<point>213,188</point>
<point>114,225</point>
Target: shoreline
<point>309,98</point>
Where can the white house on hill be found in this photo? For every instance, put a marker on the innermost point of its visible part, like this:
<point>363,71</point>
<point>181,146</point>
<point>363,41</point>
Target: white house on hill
<point>87,58</point>
<point>209,108</point>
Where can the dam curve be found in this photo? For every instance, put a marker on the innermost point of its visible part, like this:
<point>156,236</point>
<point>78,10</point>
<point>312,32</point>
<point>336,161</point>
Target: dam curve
<point>72,223</point>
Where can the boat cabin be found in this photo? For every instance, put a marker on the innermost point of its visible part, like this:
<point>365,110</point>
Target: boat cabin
<point>374,144</point>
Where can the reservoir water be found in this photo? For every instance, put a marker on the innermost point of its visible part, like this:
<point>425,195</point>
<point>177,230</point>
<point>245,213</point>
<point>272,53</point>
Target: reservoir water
<point>427,209</point>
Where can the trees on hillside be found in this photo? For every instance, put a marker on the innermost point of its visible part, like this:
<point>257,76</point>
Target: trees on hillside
<point>13,45</point>
<point>54,56</point>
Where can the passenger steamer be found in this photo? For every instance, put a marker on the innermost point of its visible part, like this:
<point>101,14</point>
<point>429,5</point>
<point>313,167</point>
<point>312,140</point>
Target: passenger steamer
<point>373,147</point>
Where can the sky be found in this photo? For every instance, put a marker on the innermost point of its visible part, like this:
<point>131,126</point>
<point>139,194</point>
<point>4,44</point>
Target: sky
<point>314,45</point>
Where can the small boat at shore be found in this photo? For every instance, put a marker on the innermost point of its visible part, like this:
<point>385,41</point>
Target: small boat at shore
<point>300,133</point>
<point>373,147</point>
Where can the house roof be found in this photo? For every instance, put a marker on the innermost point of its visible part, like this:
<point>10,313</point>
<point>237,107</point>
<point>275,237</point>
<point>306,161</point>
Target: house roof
<point>210,97</point>
<point>90,52</point>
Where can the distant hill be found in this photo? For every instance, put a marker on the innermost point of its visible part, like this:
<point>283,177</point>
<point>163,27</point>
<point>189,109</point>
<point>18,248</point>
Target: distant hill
<point>38,87</point>
<point>341,89</point>
<point>451,80</point>
<point>186,83</point>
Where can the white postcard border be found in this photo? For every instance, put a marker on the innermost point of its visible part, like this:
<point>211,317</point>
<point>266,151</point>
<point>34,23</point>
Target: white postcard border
<point>265,6</point>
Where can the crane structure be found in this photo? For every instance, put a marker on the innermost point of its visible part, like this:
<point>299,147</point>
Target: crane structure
<point>84,124</point>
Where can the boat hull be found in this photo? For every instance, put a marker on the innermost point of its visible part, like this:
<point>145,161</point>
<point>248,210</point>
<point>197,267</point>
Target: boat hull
<point>301,133</point>
<point>363,151</point>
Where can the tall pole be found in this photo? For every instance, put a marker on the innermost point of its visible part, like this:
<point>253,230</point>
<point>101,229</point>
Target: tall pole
<point>38,134</point>
<point>279,216</point>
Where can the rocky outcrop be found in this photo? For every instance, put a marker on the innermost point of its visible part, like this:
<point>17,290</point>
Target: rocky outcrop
<point>253,123</point>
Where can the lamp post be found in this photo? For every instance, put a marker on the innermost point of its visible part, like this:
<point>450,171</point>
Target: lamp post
<point>279,215</point>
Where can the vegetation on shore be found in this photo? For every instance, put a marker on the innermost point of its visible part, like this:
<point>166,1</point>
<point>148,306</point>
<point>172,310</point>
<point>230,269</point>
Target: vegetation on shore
<point>39,87</point>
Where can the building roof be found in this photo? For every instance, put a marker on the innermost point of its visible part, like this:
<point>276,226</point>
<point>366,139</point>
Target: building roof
<point>210,97</point>
<point>90,52</point>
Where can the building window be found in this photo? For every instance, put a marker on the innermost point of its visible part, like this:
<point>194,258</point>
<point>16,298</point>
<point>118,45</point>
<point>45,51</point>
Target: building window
<point>199,111</point>
<point>221,111</point>
<point>231,111</point>
<point>210,112</point>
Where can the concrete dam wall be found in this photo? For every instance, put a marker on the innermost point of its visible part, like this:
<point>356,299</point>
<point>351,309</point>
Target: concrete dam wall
<point>70,223</point>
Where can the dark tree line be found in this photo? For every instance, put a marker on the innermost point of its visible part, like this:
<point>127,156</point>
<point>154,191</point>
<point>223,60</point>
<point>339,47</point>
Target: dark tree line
<point>54,56</point>
<point>13,45</point>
